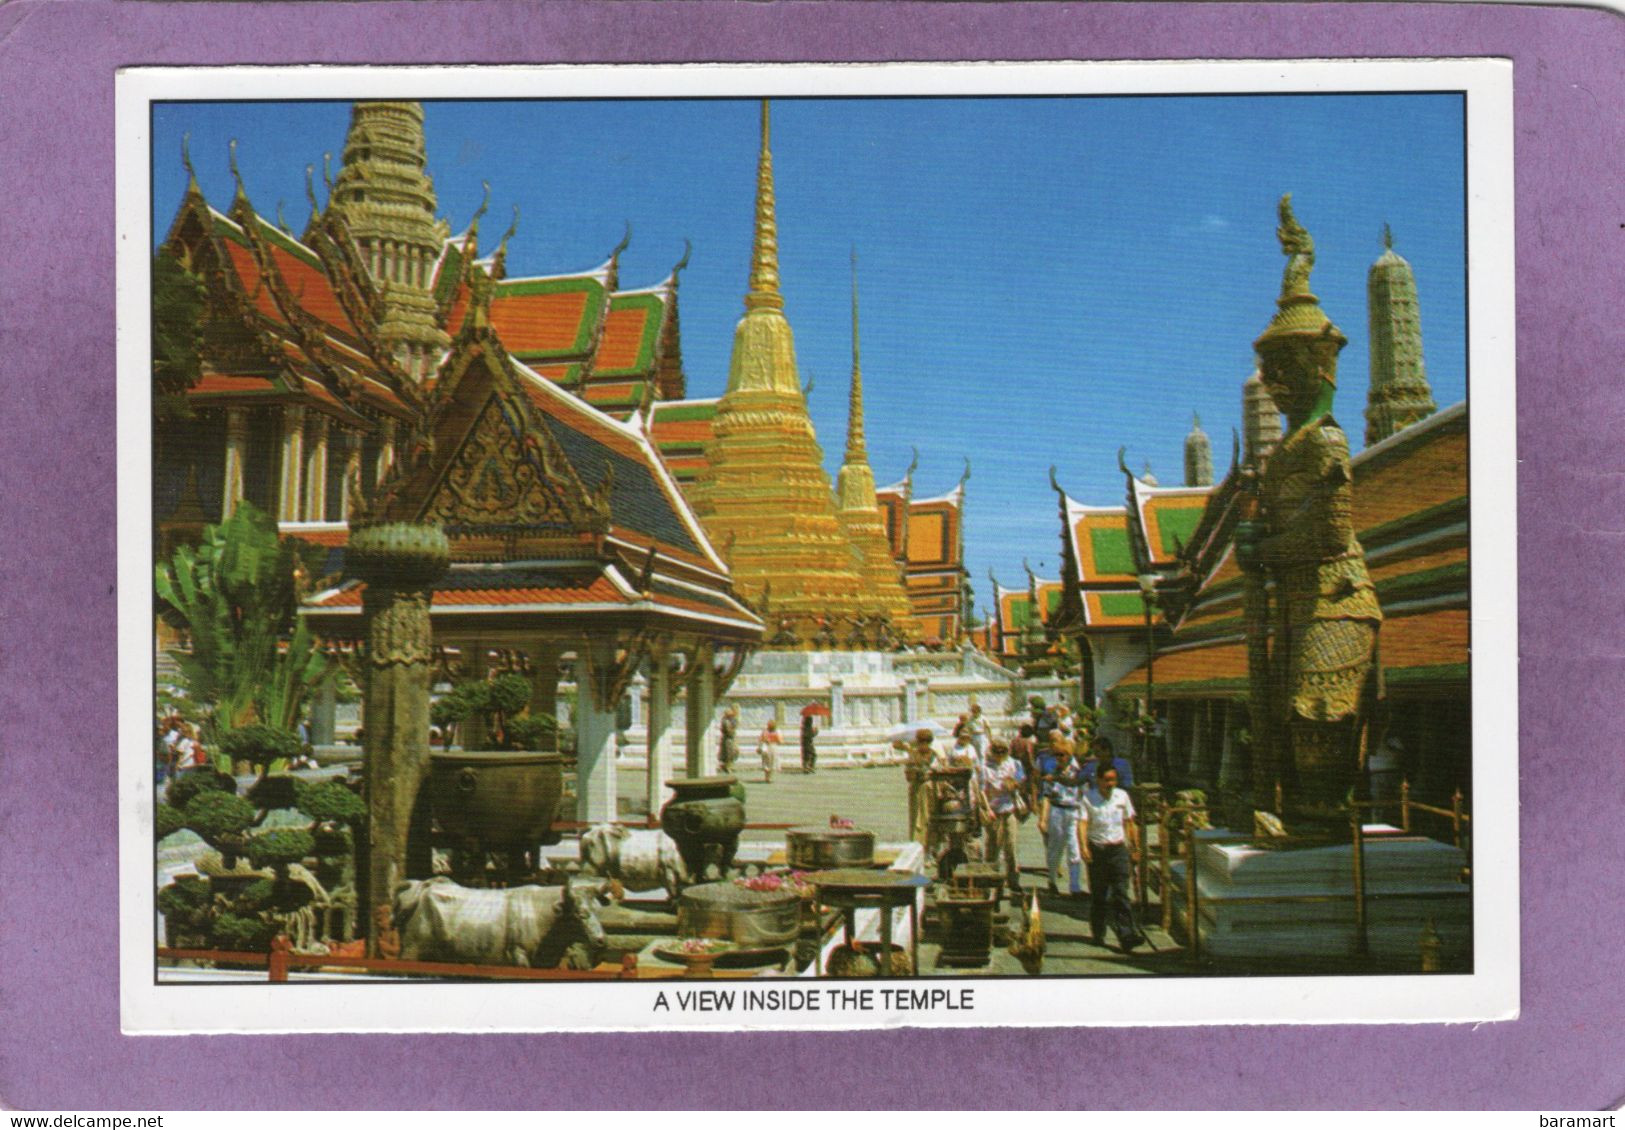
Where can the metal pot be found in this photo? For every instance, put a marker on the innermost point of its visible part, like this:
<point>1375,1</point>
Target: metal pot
<point>704,819</point>
<point>496,799</point>
<point>750,919</point>
<point>816,848</point>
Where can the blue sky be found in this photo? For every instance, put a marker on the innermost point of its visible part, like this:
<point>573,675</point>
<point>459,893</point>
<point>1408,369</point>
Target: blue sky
<point>1042,279</point>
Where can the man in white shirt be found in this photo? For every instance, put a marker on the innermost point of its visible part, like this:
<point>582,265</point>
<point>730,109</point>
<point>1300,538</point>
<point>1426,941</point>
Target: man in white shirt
<point>1110,842</point>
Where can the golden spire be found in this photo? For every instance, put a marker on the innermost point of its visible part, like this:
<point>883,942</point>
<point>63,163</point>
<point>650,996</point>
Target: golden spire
<point>856,450</point>
<point>764,259</point>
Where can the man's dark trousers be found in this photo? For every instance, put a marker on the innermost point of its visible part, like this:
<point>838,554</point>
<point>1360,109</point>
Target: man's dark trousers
<point>1109,893</point>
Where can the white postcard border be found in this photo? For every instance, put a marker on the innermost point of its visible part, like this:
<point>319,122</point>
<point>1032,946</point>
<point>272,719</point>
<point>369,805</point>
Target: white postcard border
<point>1491,992</point>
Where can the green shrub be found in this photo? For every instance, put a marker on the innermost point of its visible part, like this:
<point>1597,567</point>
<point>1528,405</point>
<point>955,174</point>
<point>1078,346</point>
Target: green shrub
<point>216,816</point>
<point>255,896</point>
<point>276,791</point>
<point>259,744</point>
<point>507,694</point>
<point>280,847</point>
<point>185,898</point>
<point>288,896</point>
<point>531,732</point>
<point>331,802</point>
<point>234,932</point>
<point>333,843</point>
<point>167,820</point>
<point>183,788</point>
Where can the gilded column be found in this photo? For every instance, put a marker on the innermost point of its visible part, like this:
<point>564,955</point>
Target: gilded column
<point>315,509</point>
<point>290,495</point>
<point>352,474</point>
<point>236,459</point>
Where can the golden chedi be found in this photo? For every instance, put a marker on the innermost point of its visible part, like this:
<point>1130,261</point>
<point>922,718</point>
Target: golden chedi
<point>859,511</point>
<point>764,496</point>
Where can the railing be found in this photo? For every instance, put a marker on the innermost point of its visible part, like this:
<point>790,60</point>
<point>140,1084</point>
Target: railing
<point>281,960</point>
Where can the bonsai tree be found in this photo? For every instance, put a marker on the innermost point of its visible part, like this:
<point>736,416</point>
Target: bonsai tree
<point>222,819</point>
<point>336,811</point>
<point>501,702</point>
<point>260,745</point>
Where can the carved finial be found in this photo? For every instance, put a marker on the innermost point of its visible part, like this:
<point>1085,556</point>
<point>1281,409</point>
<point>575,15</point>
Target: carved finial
<point>857,450</point>
<point>764,260</point>
<point>626,241</point>
<point>186,162</point>
<point>1054,483</point>
<point>1299,248</point>
<point>646,577</point>
<point>485,202</point>
<point>310,193</point>
<point>913,465</point>
<point>236,174</point>
<point>1387,236</point>
<point>688,249</point>
<point>1196,421</point>
<point>993,579</point>
<point>1147,477</point>
<point>965,478</point>
<point>280,221</point>
<point>499,261</point>
<point>1235,448</point>
<point>1121,464</point>
<point>327,173</point>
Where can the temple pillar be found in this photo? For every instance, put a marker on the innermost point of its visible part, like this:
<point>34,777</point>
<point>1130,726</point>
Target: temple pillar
<point>473,730</point>
<point>324,711</point>
<point>352,474</point>
<point>595,734</point>
<point>701,716</point>
<point>386,452</point>
<point>315,506</point>
<point>398,562</point>
<point>1232,773</point>
<point>635,701</point>
<point>659,743</point>
<point>837,703</point>
<point>911,701</point>
<point>289,493</point>
<point>236,459</point>
<point>544,681</point>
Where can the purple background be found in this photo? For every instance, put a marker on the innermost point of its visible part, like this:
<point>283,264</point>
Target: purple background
<point>60,1045</point>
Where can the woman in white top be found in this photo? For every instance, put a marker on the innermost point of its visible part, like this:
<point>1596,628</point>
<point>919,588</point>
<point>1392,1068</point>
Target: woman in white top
<point>767,748</point>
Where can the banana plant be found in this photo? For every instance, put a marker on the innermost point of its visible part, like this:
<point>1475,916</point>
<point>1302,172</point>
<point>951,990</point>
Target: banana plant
<point>236,597</point>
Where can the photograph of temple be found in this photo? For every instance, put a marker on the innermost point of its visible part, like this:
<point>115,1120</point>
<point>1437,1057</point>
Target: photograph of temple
<point>665,539</point>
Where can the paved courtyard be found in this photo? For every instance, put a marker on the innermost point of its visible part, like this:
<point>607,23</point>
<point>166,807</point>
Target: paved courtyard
<point>875,798</point>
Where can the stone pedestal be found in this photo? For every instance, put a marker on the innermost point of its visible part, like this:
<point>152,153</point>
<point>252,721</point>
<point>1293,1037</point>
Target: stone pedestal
<point>398,562</point>
<point>1409,881</point>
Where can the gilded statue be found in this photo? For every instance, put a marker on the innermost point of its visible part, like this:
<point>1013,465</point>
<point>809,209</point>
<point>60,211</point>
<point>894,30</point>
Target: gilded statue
<point>1314,634</point>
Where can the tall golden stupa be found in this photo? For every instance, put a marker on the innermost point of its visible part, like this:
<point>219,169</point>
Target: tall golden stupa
<point>858,509</point>
<point>763,495</point>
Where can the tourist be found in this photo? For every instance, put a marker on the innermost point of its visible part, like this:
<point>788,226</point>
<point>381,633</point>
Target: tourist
<point>728,753</point>
<point>980,731</point>
<point>809,750</point>
<point>1025,753</point>
<point>1044,720</point>
<point>1060,798</point>
<point>1110,843</point>
<point>1002,803</point>
<point>964,751</point>
<point>1064,721</point>
<point>916,770</point>
<point>1100,750</point>
<point>767,749</point>
<point>189,753</point>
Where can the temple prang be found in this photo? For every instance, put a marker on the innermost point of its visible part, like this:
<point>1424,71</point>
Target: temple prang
<point>1399,395</point>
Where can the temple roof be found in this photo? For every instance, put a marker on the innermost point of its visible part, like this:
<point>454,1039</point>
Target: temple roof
<point>1411,516</point>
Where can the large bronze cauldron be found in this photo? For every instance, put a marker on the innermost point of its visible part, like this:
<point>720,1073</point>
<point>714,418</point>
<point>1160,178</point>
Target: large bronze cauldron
<point>498,800</point>
<point>752,920</point>
<point>817,848</point>
<point>704,819</point>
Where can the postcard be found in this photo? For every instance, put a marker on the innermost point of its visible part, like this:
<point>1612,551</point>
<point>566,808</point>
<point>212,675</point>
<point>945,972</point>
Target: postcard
<point>816,546</point>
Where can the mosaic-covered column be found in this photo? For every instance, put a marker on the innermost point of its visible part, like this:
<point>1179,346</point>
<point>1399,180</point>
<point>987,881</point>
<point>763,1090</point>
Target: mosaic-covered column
<point>659,738</point>
<point>596,792</point>
<point>397,561</point>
